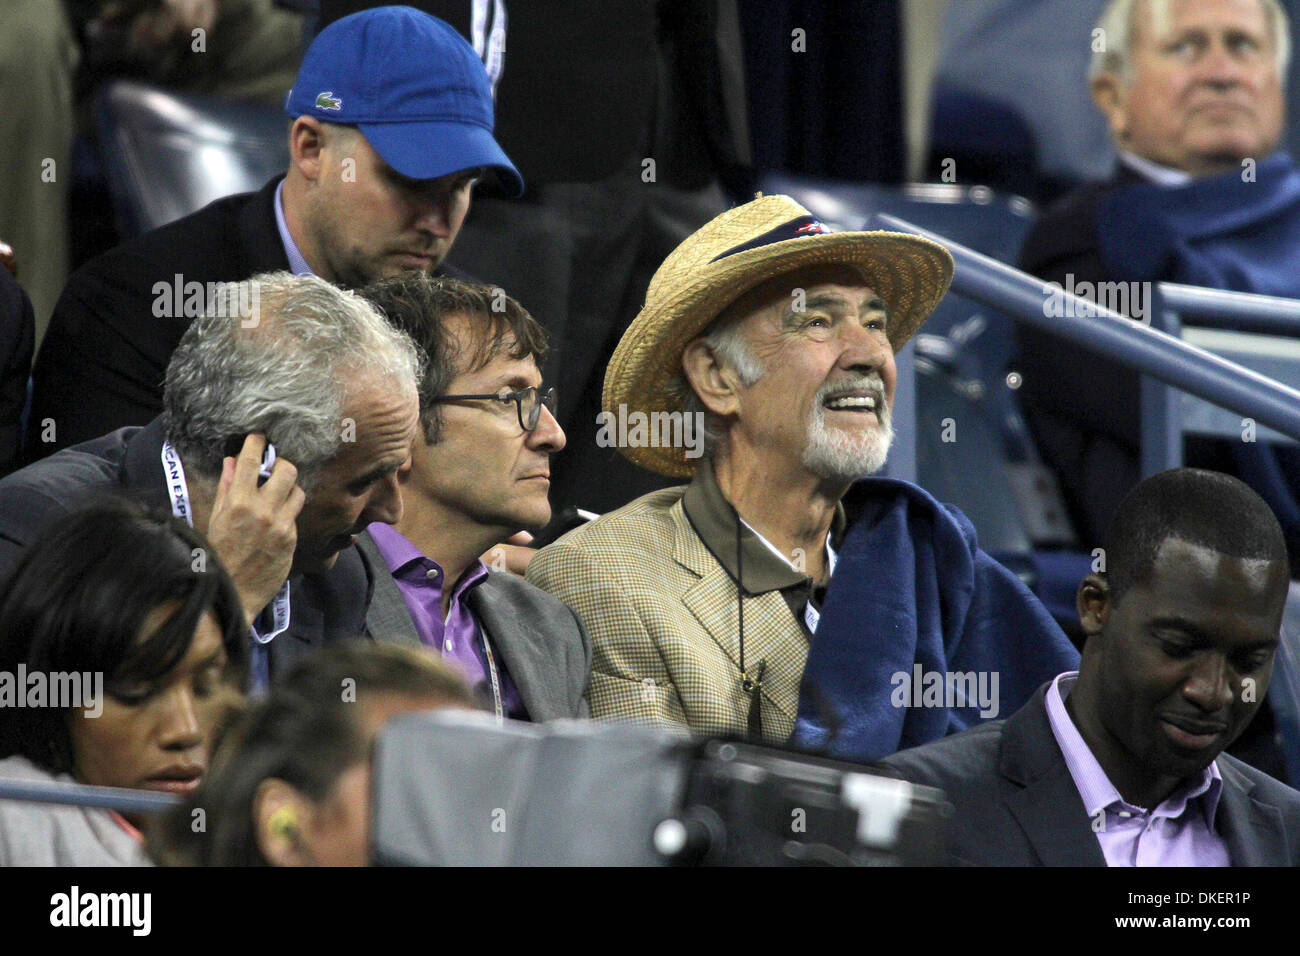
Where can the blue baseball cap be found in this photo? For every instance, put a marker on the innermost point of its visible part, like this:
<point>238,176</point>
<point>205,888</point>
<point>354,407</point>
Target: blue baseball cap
<point>413,86</point>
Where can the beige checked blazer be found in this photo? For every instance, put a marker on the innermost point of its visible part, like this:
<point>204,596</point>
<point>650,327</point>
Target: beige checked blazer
<point>661,612</point>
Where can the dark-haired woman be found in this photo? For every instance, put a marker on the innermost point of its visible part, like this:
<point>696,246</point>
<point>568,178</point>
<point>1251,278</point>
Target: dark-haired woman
<point>290,785</point>
<point>136,606</point>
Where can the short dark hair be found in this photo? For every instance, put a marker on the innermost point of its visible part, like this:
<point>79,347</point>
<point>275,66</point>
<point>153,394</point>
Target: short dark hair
<point>419,305</point>
<point>1204,508</point>
<point>303,733</point>
<point>78,597</point>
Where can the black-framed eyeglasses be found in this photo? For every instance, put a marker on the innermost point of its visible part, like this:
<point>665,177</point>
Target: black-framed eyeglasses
<point>528,403</point>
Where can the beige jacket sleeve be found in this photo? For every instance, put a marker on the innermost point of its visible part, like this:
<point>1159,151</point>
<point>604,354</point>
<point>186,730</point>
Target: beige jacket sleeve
<point>612,594</point>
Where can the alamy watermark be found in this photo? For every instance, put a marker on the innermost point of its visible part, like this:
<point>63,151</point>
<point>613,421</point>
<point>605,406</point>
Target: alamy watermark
<point>638,429</point>
<point>181,299</point>
<point>61,690</point>
<point>133,911</point>
<point>1132,299</point>
<point>947,689</point>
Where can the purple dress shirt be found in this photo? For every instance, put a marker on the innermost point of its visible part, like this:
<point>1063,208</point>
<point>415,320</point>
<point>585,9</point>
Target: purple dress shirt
<point>1177,832</point>
<point>458,638</point>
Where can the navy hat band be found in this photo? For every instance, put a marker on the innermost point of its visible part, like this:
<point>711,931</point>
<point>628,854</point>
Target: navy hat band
<point>794,229</point>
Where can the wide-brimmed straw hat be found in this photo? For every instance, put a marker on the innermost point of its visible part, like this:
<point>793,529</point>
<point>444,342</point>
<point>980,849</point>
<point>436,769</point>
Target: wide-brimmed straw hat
<point>729,256</point>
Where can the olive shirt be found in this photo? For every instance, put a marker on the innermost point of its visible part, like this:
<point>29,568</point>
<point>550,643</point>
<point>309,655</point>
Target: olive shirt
<point>655,586</point>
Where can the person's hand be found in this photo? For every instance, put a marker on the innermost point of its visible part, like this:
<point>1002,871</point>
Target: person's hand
<point>511,555</point>
<point>254,529</point>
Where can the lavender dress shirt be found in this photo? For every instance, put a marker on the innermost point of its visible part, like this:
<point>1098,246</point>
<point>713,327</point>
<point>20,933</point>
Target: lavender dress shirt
<point>458,638</point>
<point>1177,832</point>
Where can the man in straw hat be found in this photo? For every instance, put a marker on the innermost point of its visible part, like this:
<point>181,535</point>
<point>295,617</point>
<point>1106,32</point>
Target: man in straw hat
<point>776,338</point>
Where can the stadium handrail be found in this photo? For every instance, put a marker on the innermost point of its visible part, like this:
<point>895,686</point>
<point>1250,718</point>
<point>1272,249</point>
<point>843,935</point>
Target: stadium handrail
<point>121,799</point>
<point>1021,297</point>
<point>1233,311</point>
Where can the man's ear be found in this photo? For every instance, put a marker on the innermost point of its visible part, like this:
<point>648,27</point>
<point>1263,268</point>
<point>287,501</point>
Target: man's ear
<point>1111,98</point>
<point>715,385</point>
<point>419,446</point>
<point>1092,601</point>
<point>280,814</point>
<point>307,139</point>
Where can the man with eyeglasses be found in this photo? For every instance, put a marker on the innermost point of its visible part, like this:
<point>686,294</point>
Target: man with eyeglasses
<point>479,473</point>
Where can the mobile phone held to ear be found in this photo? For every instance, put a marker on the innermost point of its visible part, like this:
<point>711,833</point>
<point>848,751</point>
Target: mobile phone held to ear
<point>235,444</point>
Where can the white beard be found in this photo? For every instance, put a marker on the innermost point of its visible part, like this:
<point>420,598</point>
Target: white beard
<point>837,454</point>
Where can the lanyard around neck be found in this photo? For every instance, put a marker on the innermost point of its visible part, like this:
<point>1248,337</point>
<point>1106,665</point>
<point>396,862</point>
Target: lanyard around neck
<point>178,494</point>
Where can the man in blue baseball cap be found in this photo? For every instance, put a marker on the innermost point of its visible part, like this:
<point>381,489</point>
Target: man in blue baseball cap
<point>392,126</point>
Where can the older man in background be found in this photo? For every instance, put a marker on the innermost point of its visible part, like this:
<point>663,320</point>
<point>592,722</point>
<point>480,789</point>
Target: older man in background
<point>1193,93</point>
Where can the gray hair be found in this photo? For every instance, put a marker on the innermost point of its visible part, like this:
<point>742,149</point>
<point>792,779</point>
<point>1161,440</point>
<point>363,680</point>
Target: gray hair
<point>287,370</point>
<point>1116,24</point>
<point>727,342</point>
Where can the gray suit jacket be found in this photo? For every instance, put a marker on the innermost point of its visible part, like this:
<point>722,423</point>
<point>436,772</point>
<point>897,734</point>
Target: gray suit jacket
<point>1017,804</point>
<point>545,648</point>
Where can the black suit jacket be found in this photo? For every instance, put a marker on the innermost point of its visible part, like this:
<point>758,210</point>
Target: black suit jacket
<point>17,331</point>
<point>1064,238</point>
<point>128,462</point>
<point>102,361</point>
<point>104,355</point>
<point>1017,804</point>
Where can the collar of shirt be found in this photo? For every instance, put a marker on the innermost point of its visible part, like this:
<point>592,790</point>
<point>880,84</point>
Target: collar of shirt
<point>1095,788</point>
<point>713,519</point>
<point>127,826</point>
<point>297,264</point>
<point>1156,173</point>
<point>830,551</point>
<point>408,563</point>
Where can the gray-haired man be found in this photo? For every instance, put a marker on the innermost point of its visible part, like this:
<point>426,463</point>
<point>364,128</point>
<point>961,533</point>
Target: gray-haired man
<point>1193,93</point>
<point>317,372</point>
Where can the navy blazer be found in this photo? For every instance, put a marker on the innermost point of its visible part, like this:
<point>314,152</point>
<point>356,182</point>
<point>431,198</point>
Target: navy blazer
<point>1080,406</point>
<point>1017,805</point>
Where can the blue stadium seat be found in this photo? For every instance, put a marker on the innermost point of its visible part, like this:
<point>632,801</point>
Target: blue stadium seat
<point>957,453</point>
<point>167,155</point>
<point>986,140</point>
<point>973,216</point>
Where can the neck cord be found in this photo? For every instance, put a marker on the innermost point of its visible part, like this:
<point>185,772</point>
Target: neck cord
<point>751,686</point>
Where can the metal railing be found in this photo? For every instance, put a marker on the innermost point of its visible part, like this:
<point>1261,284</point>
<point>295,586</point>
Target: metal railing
<point>121,799</point>
<point>1232,311</point>
<point>1084,323</point>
